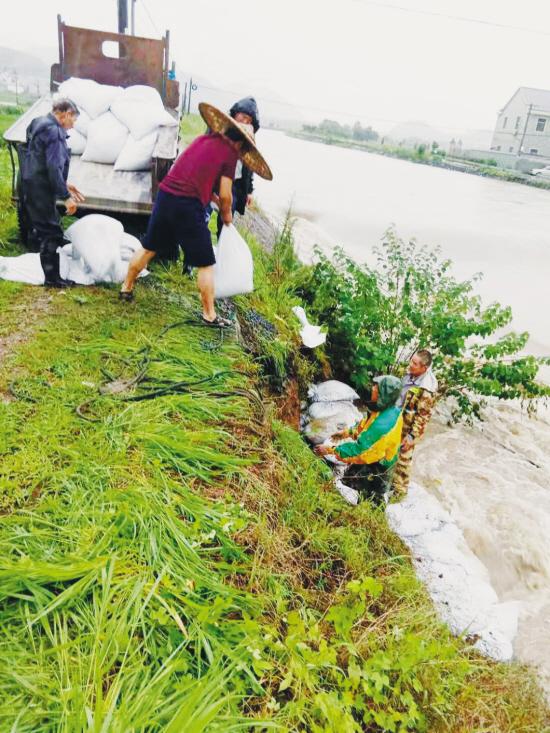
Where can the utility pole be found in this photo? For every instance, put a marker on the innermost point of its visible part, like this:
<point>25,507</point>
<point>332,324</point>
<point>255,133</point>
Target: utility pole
<point>122,6</point>
<point>524,130</point>
<point>184,104</point>
<point>133,18</point>
<point>192,88</point>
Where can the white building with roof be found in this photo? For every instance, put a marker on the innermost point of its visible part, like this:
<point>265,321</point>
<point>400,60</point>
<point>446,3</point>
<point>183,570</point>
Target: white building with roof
<point>523,124</point>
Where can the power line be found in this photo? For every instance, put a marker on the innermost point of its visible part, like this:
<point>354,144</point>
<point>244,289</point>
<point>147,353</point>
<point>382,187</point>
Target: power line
<point>150,17</point>
<point>461,18</point>
<point>324,110</point>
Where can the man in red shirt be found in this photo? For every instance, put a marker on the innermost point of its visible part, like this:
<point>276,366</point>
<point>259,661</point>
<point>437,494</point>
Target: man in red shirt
<point>178,216</point>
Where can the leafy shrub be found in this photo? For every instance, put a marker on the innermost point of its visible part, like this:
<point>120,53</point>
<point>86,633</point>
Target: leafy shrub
<point>378,316</point>
<point>276,277</point>
<point>483,161</point>
<point>338,684</point>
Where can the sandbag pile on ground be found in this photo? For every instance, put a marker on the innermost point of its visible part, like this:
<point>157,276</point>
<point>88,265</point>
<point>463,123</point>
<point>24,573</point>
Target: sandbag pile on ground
<point>116,126</point>
<point>331,410</point>
<point>99,251</point>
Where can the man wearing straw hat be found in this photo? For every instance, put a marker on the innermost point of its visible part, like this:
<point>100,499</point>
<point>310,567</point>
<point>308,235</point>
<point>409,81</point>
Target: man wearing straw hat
<point>208,164</point>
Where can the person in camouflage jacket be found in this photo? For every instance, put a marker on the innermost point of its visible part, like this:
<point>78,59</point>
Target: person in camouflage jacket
<point>418,396</point>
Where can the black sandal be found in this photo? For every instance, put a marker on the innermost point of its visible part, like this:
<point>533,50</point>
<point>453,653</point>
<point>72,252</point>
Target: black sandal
<point>126,295</point>
<point>218,321</point>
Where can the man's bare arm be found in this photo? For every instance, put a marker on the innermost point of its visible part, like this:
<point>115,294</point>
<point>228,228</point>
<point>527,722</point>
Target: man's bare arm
<point>226,199</point>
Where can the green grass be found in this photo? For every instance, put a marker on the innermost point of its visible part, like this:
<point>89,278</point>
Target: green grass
<point>182,563</point>
<point>190,127</point>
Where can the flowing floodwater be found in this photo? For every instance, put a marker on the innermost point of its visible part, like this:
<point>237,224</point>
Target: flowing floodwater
<point>493,478</point>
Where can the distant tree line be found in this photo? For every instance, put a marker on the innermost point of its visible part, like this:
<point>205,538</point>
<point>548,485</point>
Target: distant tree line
<point>331,128</point>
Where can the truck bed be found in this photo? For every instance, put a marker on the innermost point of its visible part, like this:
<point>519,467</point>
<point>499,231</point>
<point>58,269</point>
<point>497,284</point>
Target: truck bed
<point>127,192</point>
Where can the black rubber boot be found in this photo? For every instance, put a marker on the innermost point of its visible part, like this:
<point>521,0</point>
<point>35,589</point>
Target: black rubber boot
<point>49,259</point>
<point>61,282</point>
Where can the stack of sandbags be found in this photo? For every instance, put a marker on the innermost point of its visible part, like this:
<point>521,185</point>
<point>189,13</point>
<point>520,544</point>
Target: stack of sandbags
<point>116,126</point>
<point>96,240</point>
<point>102,246</point>
<point>99,251</point>
<point>330,410</point>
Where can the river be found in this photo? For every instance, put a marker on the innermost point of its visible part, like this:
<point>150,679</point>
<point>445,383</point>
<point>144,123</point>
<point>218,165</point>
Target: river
<point>348,197</point>
<point>493,478</point>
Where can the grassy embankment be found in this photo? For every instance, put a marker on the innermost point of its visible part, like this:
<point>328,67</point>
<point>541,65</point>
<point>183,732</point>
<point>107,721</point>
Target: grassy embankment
<point>181,562</point>
<point>478,168</point>
<point>191,126</point>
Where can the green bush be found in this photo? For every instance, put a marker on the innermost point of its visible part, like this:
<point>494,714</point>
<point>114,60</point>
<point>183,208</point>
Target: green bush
<point>378,316</point>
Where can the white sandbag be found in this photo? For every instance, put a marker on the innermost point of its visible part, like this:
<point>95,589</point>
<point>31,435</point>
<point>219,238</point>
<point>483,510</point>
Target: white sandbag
<point>82,122</point>
<point>142,112</point>
<point>331,391</point>
<point>106,138</point>
<point>136,155</point>
<point>87,94</point>
<point>96,239</point>
<point>27,268</point>
<point>77,90</point>
<point>76,142</point>
<point>128,246</point>
<point>234,268</point>
<point>322,410</point>
<point>310,334</point>
<point>22,269</point>
<point>72,267</point>
<point>319,430</point>
<point>143,93</point>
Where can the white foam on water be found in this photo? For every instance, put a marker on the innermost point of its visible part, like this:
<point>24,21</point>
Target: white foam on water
<point>457,580</point>
<point>493,481</point>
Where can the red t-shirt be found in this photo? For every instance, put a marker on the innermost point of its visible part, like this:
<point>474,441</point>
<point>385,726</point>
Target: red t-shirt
<point>197,171</point>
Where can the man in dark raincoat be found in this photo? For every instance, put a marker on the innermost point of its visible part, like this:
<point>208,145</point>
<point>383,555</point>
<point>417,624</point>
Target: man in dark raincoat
<point>44,174</point>
<point>244,111</point>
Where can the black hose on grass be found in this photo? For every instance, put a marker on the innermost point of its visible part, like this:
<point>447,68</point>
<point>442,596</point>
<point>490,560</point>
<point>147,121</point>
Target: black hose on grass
<point>165,387</point>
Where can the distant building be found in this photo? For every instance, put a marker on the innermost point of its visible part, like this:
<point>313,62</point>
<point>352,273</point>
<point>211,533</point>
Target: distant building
<point>523,124</point>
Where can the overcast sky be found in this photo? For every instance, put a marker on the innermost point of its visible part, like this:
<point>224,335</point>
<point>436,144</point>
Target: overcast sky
<point>381,61</point>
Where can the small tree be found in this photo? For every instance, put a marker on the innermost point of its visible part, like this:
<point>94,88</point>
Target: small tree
<point>357,132</point>
<point>331,127</point>
<point>377,317</point>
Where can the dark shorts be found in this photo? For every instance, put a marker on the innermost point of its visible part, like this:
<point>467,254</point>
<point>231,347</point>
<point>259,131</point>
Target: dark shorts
<point>179,221</point>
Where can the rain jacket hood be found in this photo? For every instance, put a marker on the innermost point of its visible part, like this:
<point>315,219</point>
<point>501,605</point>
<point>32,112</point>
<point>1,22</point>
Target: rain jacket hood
<point>247,106</point>
<point>389,389</point>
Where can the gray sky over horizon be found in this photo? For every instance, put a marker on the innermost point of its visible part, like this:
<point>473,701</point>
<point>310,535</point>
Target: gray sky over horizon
<point>380,61</point>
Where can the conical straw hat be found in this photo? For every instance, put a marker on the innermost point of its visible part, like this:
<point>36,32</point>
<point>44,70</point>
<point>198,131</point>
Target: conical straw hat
<point>218,121</point>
